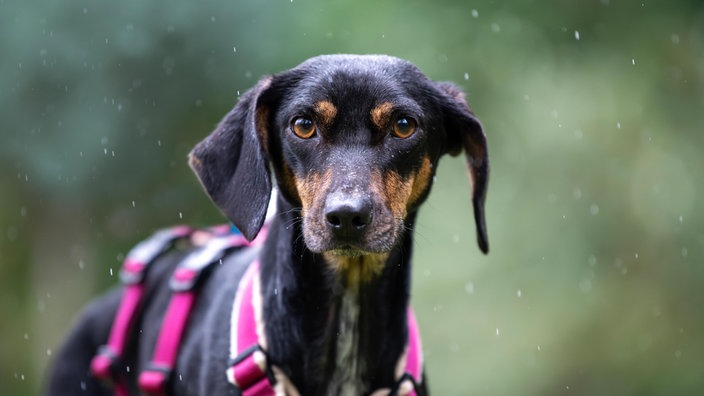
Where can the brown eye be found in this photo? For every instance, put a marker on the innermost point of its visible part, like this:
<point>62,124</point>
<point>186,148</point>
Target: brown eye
<point>404,127</point>
<point>303,127</point>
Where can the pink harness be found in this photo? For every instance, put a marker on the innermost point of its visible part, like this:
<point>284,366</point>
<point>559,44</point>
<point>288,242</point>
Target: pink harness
<point>248,366</point>
<point>248,369</point>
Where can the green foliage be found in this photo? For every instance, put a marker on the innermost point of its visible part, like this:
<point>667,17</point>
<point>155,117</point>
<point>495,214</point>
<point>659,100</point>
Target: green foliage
<point>593,112</point>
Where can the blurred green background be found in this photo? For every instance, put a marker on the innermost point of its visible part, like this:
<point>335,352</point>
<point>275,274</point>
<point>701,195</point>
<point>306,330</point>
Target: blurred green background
<point>595,281</point>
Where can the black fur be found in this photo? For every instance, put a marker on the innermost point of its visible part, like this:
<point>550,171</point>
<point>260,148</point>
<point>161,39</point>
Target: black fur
<point>302,293</point>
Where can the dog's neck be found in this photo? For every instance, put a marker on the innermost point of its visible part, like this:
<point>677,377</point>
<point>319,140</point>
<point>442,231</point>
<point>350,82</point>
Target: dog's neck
<point>332,332</point>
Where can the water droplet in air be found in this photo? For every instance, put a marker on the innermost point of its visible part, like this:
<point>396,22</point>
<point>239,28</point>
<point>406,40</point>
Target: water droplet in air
<point>576,35</point>
<point>466,76</point>
<point>594,209</point>
<point>475,13</point>
<point>469,287</point>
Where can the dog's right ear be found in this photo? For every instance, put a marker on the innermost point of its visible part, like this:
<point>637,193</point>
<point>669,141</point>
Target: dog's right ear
<point>232,164</point>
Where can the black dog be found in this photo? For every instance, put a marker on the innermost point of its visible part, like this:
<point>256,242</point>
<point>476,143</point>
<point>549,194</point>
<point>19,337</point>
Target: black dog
<point>353,142</point>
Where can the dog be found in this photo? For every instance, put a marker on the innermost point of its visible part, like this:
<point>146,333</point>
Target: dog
<point>353,143</point>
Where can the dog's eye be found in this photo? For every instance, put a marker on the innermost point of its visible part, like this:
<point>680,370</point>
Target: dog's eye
<point>404,127</point>
<point>303,127</point>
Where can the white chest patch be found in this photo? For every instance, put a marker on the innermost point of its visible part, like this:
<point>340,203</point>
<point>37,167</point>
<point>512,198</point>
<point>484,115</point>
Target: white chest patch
<point>347,377</point>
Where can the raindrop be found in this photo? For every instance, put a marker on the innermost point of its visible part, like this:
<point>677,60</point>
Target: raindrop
<point>576,35</point>
<point>83,385</point>
<point>577,193</point>
<point>110,271</point>
<point>469,287</point>
<point>594,209</point>
<point>475,13</point>
<point>466,76</point>
<point>684,252</point>
<point>234,49</point>
<point>519,293</point>
<point>26,336</point>
<point>495,27</point>
<point>158,143</point>
<point>81,264</point>
<point>497,331</point>
<point>618,125</point>
<point>633,61</point>
<point>675,39</point>
<point>180,215</point>
<point>48,352</point>
<point>134,204</point>
<point>681,219</point>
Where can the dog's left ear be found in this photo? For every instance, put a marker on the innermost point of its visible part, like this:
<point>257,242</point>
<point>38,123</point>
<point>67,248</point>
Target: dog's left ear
<point>464,131</point>
<point>232,164</point>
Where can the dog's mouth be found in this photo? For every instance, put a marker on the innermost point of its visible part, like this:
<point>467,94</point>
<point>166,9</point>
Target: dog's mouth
<point>374,241</point>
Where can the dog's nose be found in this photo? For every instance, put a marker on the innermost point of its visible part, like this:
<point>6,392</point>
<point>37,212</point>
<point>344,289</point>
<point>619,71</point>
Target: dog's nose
<point>348,217</point>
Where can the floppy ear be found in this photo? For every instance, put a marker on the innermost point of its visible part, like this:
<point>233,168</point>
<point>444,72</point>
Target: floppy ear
<point>232,165</point>
<point>464,131</point>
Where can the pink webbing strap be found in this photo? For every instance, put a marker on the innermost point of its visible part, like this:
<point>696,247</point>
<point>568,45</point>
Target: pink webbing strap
<point>247,368</point>
<point>102,364</point>
<point>153,380</point>
<point>183,283</point>
<point>414,356</point>
<point>132,274</point>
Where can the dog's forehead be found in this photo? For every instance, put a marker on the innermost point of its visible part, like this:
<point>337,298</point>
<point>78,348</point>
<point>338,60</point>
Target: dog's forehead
<point>344,77</point>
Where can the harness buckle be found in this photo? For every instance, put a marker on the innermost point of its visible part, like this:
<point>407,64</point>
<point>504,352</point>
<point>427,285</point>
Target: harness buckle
<point>152,380</point>
<point>249,372</point>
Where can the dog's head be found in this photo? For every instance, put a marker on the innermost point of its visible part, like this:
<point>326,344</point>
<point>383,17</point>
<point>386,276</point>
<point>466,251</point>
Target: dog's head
<point>354,141</point>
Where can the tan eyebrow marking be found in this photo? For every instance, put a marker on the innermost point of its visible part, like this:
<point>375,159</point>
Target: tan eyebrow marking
<point>326,111</point>
<point>381,114</point>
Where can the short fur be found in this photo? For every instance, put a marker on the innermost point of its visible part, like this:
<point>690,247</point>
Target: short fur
<point>336,266</point>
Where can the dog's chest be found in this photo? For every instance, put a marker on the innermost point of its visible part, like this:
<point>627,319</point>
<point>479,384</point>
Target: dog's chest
<point>349,365</point>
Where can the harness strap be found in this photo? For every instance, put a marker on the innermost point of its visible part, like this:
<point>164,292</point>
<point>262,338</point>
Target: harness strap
<point>248,369</point>
<point>184,285</point>
<point>132,275</point>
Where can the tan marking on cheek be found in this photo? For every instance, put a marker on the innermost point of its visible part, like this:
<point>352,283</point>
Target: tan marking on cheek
<point>326,112</point>
<point>312,187</point>
<point>421,181</point>
<point>381,115</point>
<point>395,191</point>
